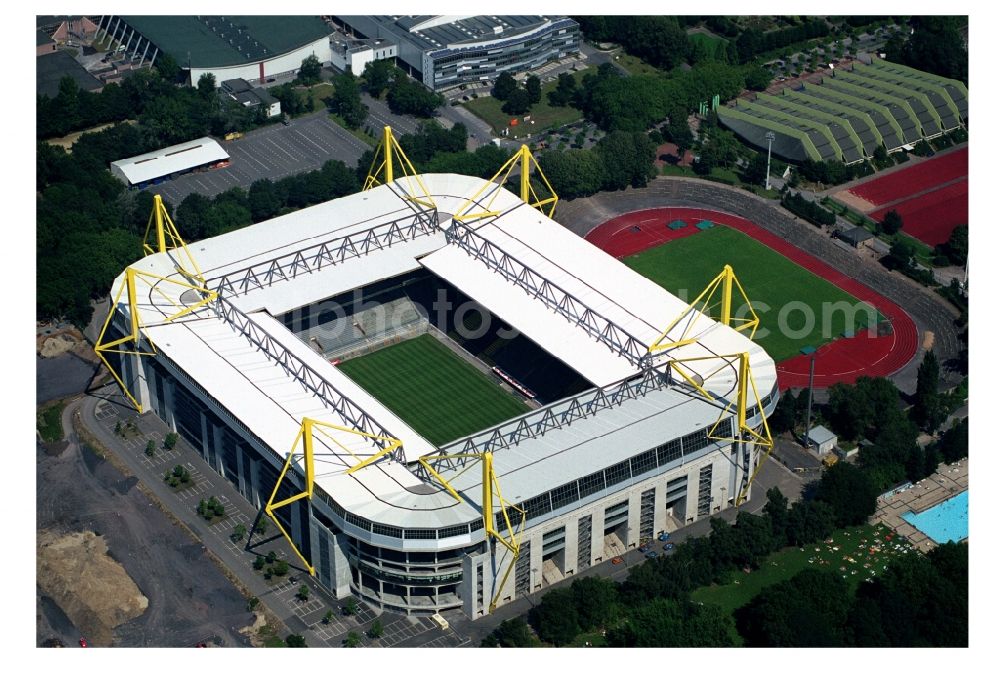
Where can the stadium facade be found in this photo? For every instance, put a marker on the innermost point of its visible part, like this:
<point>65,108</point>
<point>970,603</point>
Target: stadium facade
<point>452,50</point>
<point>239,366</point>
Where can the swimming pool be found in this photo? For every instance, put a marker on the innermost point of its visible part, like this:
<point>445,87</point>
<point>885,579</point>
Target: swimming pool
<point>944,522</point>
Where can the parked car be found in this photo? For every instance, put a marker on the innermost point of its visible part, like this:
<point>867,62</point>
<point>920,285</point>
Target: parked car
<point>667,547</point>
<point>83,642</point>
<point>615,561</point>
<point>652,555</point>
<point>645,548</point>
<point>663,536</point>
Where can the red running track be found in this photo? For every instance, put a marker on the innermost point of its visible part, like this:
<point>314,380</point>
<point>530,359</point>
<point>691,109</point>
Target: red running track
<point>932,216</point>
<point>841,361</point>
<point>917,178</point>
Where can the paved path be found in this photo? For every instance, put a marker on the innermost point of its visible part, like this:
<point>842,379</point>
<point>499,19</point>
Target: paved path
<point>928,309</point>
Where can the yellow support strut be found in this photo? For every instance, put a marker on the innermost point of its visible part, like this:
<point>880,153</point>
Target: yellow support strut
<point>305,435</point>
<point>135,335</point>
<point>382,170</point>
<point>745,387</point>
<point>524,160</point>
<point>491,489</point>
<point>164,228</point>
<point>726,280</point>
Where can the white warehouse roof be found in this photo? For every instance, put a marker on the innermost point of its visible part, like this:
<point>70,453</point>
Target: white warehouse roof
<point>165,161</point>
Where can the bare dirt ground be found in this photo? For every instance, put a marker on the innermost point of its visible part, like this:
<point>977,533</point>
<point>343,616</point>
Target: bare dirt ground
<point>189,599</point>
<point>93,589</point>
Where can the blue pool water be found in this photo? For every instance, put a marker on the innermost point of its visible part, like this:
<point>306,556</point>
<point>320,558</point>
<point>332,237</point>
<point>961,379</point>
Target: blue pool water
<point>947,521</point>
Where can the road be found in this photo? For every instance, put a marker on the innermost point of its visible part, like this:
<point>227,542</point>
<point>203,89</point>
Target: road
<point>929,311</point>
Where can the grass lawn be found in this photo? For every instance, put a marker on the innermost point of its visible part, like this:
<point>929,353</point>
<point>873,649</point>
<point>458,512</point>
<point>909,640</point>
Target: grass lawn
<point>49,421</point>
<point>437,393</point>
<point>709,41</point>
<point>544,116</point>
<point>848,554</point>
<point>686,266</point>
<point>357,133</point>
<point>636,66</point>
<point>317,93</point>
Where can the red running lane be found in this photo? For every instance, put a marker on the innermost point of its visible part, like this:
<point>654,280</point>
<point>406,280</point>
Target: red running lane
<point>841,361</point>
<point>932,216</point>
<point>917,178</point>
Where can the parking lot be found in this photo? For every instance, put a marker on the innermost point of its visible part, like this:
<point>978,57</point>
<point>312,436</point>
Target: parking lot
<point>273,152</point>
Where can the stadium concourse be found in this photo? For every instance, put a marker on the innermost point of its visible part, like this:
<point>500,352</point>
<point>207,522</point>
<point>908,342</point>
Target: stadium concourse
<point>932,315</point>
<point>239,352</point>
<point>840,361</point>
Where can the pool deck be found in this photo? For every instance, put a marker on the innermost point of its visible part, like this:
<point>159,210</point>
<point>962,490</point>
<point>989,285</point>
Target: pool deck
<point>948,481</point>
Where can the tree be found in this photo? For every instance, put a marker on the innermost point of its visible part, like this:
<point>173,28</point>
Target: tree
<point>809,521</point>
<point>850,492</point>
<point>295,641</point>
<point>596,601</point>
<point>956,249</point>
<point>328,618</point>
<point>891,223</point>
<point>206,85</point>
<point>258,563</point>
<point>252,603</point>
<point>756,171</point>
<point>533,86</point>
<point>409,97</point>
<point>150,448</point>
<point>376,630</point>
<point>555,618</point>
<point>346,100</point>
<point>627,158</point>
<point>280,568</point>
<point>239,532</point>
<point>264,200</point>
<point>351,606</point>
<point>170,440</point>
<point>928,409</point>
<point>565,91</point>
<point>667,623</point>
<point>757,78</point>
<point>377,76</point>
<point>573,173</point>
<point>353,640</point>
<point>776,509</point>
<point>513,633</point>
<point>809,610</point>
<point>303,593</point>
<point>785,414</point>
<point>517,103</point>
<point>168,68</point>
<point>954,444</point>
<point>504,86</point>
<point>310,72</point>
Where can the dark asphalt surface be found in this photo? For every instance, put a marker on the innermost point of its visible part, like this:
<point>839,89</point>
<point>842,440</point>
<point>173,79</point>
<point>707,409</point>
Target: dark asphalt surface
<point>190,600</point>
<point>928,310</point>
<point>62,376</point>
<point>273,152</point>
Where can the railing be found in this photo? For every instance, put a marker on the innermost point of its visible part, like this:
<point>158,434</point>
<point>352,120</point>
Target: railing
<point>304,374</point>
<point>551,294</point>
<point>331,252</point>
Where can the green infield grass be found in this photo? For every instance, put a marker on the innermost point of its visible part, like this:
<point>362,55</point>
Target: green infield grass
<point>432,389</point>
<point>793,296</point>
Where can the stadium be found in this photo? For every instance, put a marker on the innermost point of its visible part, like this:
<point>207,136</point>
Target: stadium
<point>443,398</point>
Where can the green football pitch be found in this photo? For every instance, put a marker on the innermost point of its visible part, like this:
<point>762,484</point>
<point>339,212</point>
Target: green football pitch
<point>433,390</point>
<point>792,294</point>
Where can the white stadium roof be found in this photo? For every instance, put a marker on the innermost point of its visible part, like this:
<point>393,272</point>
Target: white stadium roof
<point>215,348</point>
<point>165,161</point>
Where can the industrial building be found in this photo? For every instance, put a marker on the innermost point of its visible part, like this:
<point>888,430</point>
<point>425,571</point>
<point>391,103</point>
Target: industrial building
<point>254,48</point>
<point>451,50</point>
<point>239,90</point>
<point>235,344</point>
<point>851,113</point>
<point>153,167</point>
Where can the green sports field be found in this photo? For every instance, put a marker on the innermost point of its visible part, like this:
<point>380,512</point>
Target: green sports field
<point>686,266</point>
<point>433,390</point>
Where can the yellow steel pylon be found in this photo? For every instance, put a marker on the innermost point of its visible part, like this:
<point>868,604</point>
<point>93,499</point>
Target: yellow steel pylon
<point>525,161</point>
<point>305,435</point>
<point>745,386</point>
<point>382,170</point>
<point>135,322</point>
<point>491,489</point>
<point>726,281</point>
<point>168,239</point>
